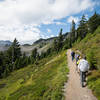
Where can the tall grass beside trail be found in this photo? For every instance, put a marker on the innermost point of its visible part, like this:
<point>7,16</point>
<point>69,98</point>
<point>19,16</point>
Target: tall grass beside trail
<point>90,46</point>
<point>44,81</point>
<point>94,83</point>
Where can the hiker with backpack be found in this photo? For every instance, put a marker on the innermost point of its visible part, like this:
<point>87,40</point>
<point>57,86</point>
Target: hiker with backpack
<point>83,67</point>
<point>72,54</point>
<point>77,57</point>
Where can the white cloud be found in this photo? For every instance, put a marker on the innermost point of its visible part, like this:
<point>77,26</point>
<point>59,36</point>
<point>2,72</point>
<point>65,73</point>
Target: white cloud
<point>52,35</point>
<point>54,22</point>
<point>60,23</point>
<point>76,19</point>
<point>24,34</point>
<point>18,13</point>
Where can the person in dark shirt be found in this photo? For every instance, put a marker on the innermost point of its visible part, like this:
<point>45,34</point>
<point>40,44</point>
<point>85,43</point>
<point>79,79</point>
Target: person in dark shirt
<point>72,54</point>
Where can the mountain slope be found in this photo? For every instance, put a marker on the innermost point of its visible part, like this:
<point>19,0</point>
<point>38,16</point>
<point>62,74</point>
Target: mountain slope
<point>90,46</point>
<point>4,43</point>
<point>65,35</point>
<point>42,45</point>
<point>44,40</point>
<point>4,48</point>
<point>37,82</point>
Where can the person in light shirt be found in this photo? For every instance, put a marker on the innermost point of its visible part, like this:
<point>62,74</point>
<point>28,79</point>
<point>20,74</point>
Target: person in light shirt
<point>83,67</point>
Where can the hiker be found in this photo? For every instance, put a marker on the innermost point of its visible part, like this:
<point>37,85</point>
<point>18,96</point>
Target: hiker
<point>77,57</point>
<point>72,54</point>
<point>77,62</point>
<point>83,67</point>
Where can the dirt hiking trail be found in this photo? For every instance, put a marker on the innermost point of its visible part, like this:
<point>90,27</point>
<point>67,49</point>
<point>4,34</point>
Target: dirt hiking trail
<point>73,89</point>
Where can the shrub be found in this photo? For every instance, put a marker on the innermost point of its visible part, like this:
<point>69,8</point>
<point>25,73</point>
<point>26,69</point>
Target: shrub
<point>92,59</point>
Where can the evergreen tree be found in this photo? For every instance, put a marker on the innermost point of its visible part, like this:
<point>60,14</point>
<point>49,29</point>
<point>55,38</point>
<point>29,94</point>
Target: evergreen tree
<point>82,29</point>
<point>93,22</point>
<point>48,51</point>
<point>0,71</point>
<point>16,52</point>
<point>34,55</point>
<point>67,43</point>
<point>1,58</point>
<point>60,40</point>
<point>70,42</point>
<point>38,56</point>
<point>13,53</point>
<point>55,45</point>
<point>19,64</point>
<point>16,64</point>
<point>1,62</point>
<point>25,61</point>
<point>72,33</point>
<point>29,60</point>
<point>6,71</point>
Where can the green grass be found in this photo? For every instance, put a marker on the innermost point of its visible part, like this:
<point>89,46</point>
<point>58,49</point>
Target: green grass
<point>91,43</point>
<point>90,46</point>
<point>37,82</point>
<point>94,83</point>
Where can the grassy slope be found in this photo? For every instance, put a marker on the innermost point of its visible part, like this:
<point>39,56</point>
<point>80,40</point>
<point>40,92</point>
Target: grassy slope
<point>42,82</point>
<point>92,44</point>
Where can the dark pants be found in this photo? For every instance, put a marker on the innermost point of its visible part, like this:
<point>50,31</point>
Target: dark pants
<point>72,58</point>
<point>83,78</point>
<point>76,65</point>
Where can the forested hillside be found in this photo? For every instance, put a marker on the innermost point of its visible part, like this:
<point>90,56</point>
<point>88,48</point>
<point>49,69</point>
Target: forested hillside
<point>14,59</point>
<point>90,46</point>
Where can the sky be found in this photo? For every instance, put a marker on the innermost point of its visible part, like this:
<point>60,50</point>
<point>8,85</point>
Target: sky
<point>30,20</point>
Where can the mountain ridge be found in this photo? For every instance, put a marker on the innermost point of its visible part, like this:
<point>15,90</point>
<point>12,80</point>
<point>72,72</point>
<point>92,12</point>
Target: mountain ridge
<point>5,42</point>
<point>41,44</point>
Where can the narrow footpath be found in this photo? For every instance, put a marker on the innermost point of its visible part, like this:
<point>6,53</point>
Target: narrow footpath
<point>73,89</point>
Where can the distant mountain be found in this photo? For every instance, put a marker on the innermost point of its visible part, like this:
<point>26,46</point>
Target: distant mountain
<point>26,45</point>
<point>4,48</point>
<point>42,45</point>
<point>65,35</point>
<point>5,43</point>
<point>44,40</point>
